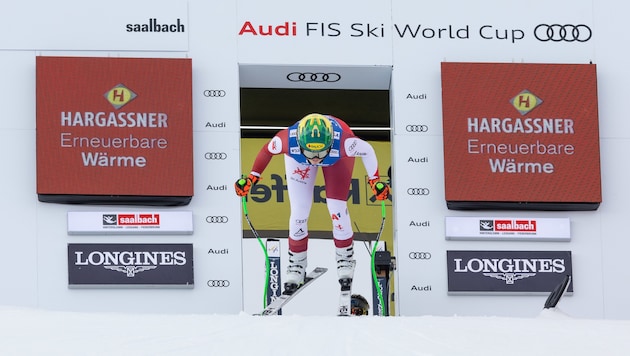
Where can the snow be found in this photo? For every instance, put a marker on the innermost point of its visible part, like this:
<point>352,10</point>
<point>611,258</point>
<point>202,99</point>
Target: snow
<point>45,332</point>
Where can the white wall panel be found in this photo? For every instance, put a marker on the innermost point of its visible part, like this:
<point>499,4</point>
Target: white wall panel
<point>18,256</point>
<point>411,37</point>
<point>97,26</point>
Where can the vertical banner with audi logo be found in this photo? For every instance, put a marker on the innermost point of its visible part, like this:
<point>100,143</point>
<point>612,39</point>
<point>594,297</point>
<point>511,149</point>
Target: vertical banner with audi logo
<point>114,130</point>
<point>130,265</point>
<point>521,136</point>
<point>519,272</point>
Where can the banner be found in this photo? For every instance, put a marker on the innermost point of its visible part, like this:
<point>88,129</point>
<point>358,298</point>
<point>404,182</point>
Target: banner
<point>274,284</point>
<point>521,136</point>
<point>131,223</point>
<point>268,200</point>
<point>130,265</point>
<point>507,228</point>
<point>114,130</point>
<point>520,272</point>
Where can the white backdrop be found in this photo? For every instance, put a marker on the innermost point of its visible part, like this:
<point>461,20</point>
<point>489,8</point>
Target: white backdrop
<point>33,257</point>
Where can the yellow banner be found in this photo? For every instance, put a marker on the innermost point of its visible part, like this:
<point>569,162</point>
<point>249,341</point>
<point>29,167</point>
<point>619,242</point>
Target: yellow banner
<point>268,202</point>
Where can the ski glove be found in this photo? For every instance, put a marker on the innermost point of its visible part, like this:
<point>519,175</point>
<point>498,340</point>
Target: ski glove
<point>380,189</point>
<point>243,185</point>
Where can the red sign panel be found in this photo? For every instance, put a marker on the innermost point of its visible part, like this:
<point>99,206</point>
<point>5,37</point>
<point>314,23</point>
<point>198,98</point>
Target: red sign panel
<point>521,136</point>
<point>515,225</point>
<point>116,130</point>
<point>138,219</point>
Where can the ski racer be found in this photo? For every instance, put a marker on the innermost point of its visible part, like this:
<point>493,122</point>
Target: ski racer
<point>317,141</point>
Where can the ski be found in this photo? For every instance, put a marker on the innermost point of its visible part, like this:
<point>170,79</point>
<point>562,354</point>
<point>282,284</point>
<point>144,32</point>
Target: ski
<point>278,303</point>
<point>345,297</point>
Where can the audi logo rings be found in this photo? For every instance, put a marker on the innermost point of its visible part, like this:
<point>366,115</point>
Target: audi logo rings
<point>560,33</point>
<point>217,219</point>
<point>418,191</point>
<point>313,77</point>
<point>420,255</point>
<point>218,283</point>
<point>214,93</point>
<point>215,155</point>
<point>417,128</point>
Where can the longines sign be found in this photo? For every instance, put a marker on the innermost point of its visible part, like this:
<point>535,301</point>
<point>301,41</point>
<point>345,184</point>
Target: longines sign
<point>520,272</point>
<point>130,265</point>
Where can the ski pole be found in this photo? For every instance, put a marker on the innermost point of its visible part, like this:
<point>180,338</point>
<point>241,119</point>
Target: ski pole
<point>379,290</point>
<point>242,181</point>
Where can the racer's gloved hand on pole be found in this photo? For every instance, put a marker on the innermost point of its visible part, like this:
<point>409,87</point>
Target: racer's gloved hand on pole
<point>243,185</point>
<point>380,189</point>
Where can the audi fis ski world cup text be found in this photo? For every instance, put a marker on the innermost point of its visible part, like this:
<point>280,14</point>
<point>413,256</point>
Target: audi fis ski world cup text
<point>548,32</point>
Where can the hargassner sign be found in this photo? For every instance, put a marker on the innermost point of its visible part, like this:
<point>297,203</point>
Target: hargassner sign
<point>114,130</point>
<point>521,136</point>
<point>487,272</point>
<point>130,265</point>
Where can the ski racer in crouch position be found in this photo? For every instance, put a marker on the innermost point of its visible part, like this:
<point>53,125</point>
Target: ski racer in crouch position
<point>317,141</point>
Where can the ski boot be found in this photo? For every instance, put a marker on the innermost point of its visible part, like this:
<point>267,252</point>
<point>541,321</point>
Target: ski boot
<point>345,272</point>
<point>296,270</point>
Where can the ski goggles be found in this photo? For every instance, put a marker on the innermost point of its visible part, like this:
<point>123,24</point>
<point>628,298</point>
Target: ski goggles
<point>358,311</point>
<point>320,154</point>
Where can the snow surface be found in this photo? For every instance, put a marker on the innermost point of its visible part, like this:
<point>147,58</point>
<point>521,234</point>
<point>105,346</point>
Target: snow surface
<point>44,332</point>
